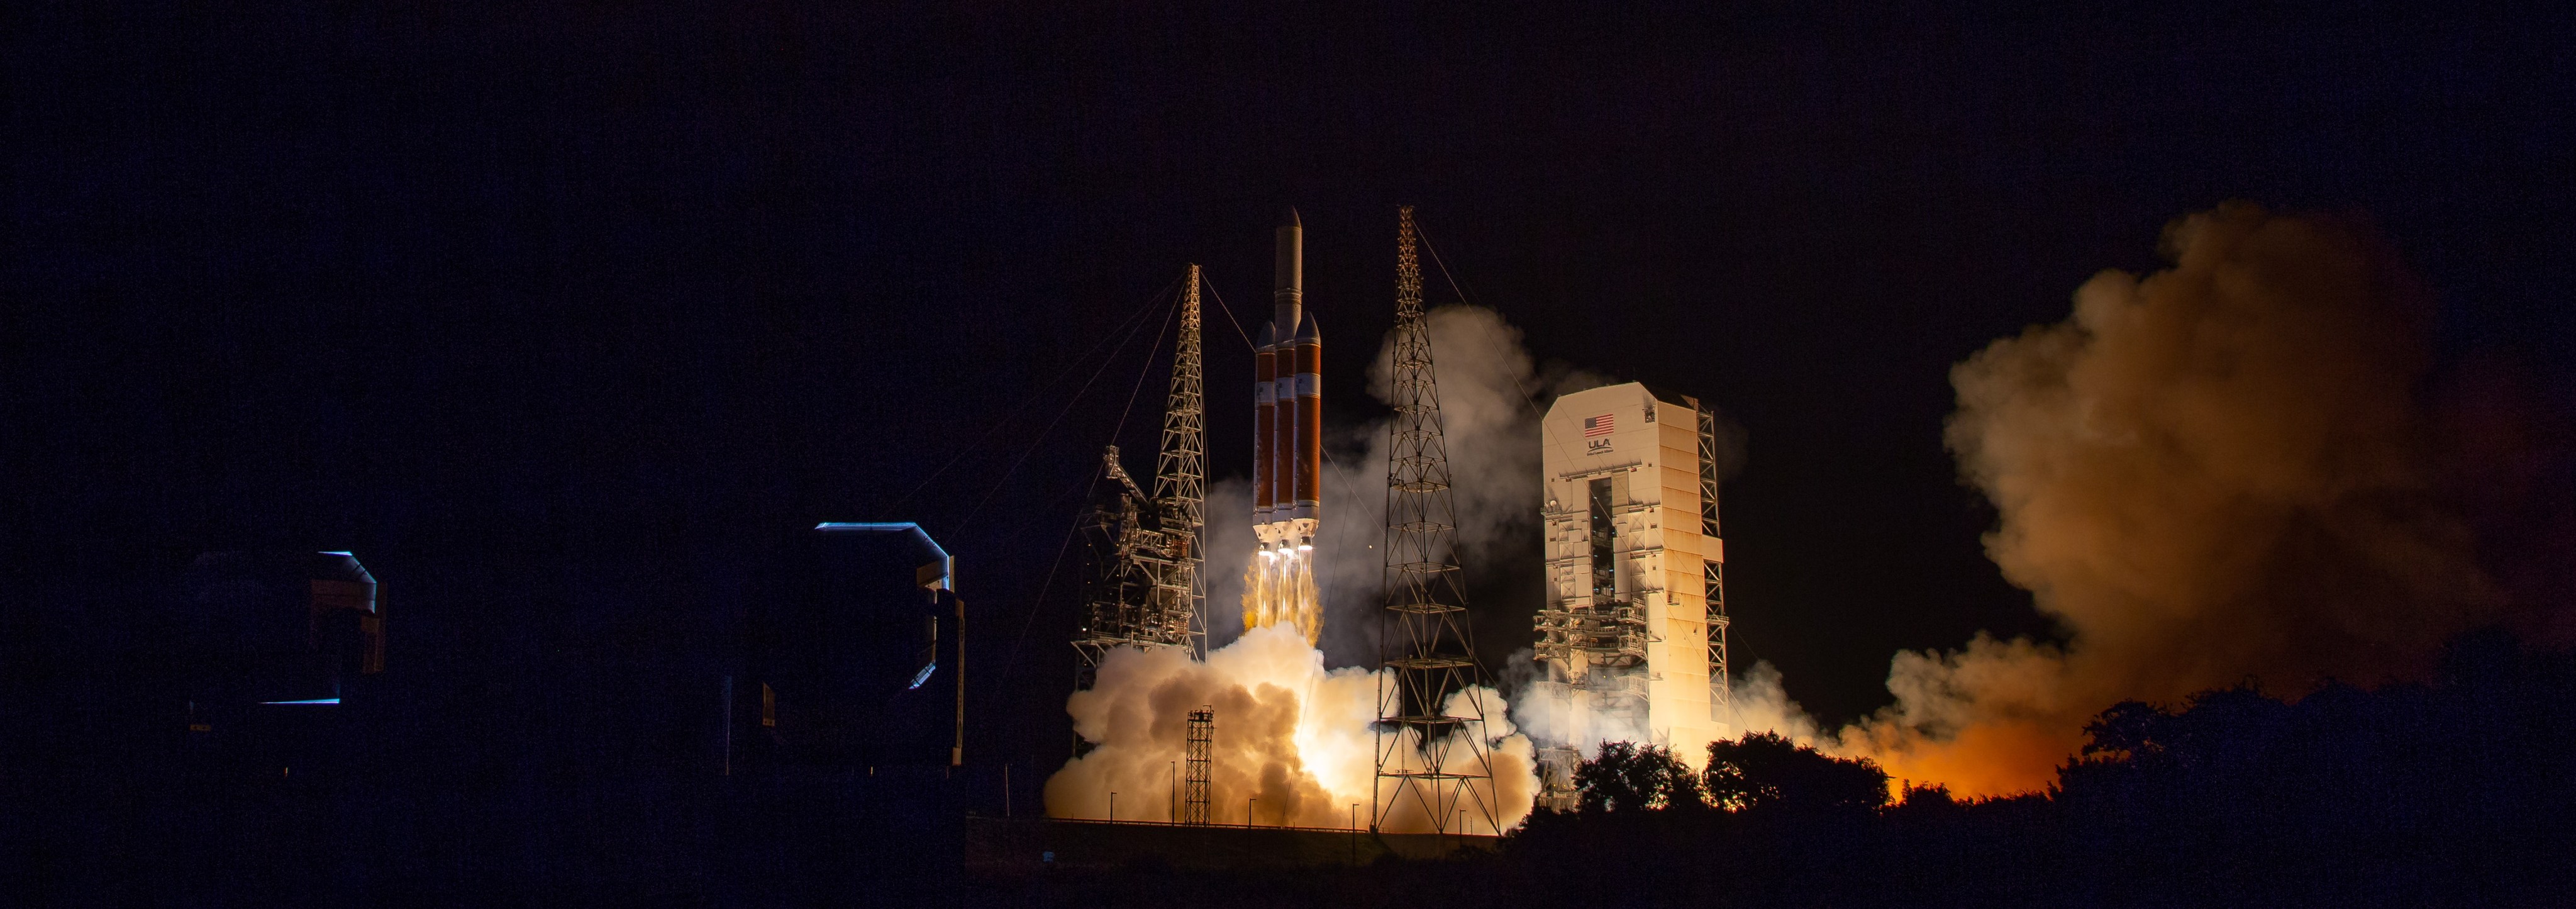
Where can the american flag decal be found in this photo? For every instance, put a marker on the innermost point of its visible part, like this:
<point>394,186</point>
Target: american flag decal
<point>1596,426</point>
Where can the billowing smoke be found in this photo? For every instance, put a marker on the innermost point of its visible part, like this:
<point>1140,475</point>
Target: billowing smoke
<point>2216,473</point>
<point>1293,742</point>
<point>1553,721</point>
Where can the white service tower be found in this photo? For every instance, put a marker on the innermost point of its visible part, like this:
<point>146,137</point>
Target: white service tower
<point>1633,635</point>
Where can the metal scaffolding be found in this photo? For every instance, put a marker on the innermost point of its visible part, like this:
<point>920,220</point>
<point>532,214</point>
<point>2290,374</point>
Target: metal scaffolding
<point>1145,585</point>
<point>1721,692</point>
<point>1180,475</point>
<point>1202,738</point>
<point>1434,767</point>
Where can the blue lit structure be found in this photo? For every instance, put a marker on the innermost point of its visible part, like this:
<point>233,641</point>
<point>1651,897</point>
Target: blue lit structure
<point>945,564</point>
<point>272,659</point>
<point>855,654</point>
<point>278,628</point>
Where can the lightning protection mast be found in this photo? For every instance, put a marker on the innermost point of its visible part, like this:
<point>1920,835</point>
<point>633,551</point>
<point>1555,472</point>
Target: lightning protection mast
<point>1434,767</point>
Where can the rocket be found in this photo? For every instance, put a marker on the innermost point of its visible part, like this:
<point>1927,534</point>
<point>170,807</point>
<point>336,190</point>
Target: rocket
<point>1288,424</point>
<point>1287,451</point>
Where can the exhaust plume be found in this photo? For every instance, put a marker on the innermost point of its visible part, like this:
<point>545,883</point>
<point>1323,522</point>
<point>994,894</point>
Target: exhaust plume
<point>1292,744</point>
<point>2215,473</point>
<point>1279,589</point>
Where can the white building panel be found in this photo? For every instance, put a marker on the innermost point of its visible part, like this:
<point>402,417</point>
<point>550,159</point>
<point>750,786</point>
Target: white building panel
<point>1625,637</point>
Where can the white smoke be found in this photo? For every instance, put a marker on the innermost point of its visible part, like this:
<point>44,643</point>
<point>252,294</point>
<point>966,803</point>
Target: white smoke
<point>1292,742</point>
<point>1551,720</point>
<point>1760,703</point>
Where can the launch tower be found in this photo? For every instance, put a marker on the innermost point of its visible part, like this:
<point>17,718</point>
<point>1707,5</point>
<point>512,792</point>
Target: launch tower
<point>1633,635</point>
<point>1146,585</point>
<point>1433,762</point>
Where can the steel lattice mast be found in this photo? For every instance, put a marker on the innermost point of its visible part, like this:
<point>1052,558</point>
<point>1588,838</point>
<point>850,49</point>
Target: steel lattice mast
<point>1145,585</point>
<point>1180,476</point>
<point>1196,751</point>
<point>1431,763</point>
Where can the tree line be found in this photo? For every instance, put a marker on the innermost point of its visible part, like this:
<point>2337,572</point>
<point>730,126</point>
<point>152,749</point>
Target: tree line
<point>2457,791</point>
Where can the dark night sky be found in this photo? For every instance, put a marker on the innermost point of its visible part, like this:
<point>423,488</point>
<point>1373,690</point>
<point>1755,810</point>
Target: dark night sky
<point>553,316</point>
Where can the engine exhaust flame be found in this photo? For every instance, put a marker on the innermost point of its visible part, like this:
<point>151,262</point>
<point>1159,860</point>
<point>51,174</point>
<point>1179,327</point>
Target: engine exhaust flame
<point>1279,589</point>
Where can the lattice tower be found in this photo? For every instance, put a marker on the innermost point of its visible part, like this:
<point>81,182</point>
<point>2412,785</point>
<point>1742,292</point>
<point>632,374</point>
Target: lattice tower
<point>1144,586</point>
<point>1180,476</point>
<point>1202,740</point>
<point>1431,763</point>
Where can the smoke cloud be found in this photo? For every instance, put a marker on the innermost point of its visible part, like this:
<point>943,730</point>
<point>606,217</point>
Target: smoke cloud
<point>2216,473</point>
<point>1292,742</point>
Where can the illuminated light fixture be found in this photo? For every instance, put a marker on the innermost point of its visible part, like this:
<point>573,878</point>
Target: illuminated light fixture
<point>923,676</point>
<point>337,552</point>
<point>1305,547</point>
<point>314,701</point>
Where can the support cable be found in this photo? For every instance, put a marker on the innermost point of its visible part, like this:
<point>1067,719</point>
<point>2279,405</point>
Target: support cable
<point>1026,400</point>
<point>1039,604</point>
<point>1032,448</point>
<point>1502,355</point>
<point>1229,312</point>
<point>1130,409</point>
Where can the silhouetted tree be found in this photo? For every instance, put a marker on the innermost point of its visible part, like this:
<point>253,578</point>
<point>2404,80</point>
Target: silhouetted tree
<point>1927,799</point>
<point>1766,769</point>
<point>1629,778</point>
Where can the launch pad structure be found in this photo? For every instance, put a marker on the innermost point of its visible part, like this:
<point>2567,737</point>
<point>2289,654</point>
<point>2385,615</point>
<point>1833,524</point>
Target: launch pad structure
<point>1633,634</point>
<point>1431,761</point>
<point>1147,584</point>
<point>1146,588</point>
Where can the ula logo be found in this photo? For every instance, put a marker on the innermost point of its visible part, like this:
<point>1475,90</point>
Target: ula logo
<point>1596,446</point>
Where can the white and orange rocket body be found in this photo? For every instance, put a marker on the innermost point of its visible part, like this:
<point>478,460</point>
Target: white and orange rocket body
<point>1288,442</point>
<point>1288,453</point>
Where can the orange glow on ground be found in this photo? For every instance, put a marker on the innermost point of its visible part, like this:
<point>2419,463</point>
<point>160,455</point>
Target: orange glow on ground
<point>1984,761</point>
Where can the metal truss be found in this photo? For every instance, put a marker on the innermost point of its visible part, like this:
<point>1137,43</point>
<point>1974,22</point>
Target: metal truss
<point>1430,762</point>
